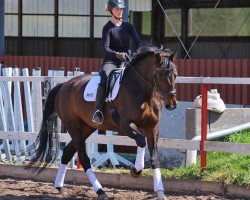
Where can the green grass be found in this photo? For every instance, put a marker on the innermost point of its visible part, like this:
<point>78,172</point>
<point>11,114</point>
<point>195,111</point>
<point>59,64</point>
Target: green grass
<point>231,168</point>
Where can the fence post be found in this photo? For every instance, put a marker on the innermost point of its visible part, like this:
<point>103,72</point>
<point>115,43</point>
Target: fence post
<point>204,88</point>
<point>36,95</point>
<point>9,108</point>
<point>18,108</point>
<point>4,125</point>
<point>28,103</point>
<point>57,73</point>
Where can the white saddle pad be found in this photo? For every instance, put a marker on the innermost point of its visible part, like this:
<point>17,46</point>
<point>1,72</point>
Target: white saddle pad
<point>91,89</point>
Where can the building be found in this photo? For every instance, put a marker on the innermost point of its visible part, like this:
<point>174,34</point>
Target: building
<point>73,27</point>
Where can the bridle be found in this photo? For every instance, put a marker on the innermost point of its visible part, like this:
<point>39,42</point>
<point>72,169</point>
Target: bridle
<point>165,67</point>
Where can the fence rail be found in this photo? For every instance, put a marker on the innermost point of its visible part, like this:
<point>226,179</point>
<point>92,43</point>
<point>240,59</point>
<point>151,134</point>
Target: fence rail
<point>126,141</point>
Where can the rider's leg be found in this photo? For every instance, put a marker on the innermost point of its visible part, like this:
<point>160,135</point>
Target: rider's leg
<point>101,93</point>
<point>100,99</point>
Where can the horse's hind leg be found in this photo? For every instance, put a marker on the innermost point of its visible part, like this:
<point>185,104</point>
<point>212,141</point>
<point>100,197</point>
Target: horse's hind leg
<point>152,140</point>
<point>78,138</point>
<point>85,162</point>
<point>68,154</point>
<point>79,133</point>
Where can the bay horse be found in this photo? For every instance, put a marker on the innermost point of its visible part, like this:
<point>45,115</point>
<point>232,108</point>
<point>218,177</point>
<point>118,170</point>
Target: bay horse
<point>148,78</point>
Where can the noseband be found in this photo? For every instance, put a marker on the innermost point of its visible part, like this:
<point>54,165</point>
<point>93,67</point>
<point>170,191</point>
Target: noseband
<point>165,69</point>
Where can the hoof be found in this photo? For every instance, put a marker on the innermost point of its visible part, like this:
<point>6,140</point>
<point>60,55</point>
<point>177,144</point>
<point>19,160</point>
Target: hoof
<point>134,173</point>
<point>102,197</point>
<point>61,190</point>
<point>161,195</point>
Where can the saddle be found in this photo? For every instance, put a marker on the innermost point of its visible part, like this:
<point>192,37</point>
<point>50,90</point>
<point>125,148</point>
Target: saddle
<point>115,75</point>
<point>112,85</point>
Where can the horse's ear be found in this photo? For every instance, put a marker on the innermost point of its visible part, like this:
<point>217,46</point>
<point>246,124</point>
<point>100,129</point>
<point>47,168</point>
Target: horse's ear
<point>173,56</point>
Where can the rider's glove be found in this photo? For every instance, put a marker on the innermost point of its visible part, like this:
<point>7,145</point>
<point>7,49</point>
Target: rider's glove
<point>121,56</point>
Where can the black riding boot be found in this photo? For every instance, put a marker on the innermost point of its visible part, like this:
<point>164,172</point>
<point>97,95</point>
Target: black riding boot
<point>100,99</point>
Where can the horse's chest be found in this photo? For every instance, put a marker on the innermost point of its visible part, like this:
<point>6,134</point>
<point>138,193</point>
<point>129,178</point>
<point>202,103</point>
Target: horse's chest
<point>149,114</point>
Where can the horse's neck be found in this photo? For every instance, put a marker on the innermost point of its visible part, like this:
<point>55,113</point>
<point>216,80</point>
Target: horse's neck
<point>145,70</point>
<point>140,77</point>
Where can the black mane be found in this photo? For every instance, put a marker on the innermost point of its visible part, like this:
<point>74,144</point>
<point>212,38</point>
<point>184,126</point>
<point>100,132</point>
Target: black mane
<point>142,52</point>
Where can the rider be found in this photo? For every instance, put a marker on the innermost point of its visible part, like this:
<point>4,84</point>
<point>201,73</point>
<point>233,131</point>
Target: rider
<point>115,35</point>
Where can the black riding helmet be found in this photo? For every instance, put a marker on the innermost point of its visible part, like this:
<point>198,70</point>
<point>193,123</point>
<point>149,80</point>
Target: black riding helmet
<point>115,3</point>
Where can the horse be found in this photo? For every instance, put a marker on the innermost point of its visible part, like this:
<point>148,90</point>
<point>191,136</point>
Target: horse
<point>148,79</point>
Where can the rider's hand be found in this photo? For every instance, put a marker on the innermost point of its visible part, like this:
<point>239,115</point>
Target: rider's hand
<point>121,56</point>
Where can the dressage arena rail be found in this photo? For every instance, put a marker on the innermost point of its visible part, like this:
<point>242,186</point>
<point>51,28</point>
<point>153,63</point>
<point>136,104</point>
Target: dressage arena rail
<point>33,100</point>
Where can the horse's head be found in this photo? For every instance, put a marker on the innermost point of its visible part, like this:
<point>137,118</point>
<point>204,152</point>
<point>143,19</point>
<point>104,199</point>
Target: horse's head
<point>164,78</point>
<point>156,68</point>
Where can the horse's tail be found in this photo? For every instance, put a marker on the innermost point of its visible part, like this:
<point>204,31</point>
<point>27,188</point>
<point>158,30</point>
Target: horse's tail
<point>46,147</point>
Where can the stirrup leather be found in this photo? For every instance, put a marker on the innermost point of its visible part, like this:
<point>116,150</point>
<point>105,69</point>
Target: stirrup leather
<point>98,117</point>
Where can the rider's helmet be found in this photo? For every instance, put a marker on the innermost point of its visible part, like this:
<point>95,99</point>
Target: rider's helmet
<point>115,3</point>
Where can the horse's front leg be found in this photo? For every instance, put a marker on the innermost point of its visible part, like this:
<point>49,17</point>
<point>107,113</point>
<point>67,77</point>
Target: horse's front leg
<point>152,139</point>
<point>133,132</point>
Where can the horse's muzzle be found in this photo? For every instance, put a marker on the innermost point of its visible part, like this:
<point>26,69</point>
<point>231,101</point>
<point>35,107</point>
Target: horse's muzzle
<point>171,107</point>
<point>170,102</point>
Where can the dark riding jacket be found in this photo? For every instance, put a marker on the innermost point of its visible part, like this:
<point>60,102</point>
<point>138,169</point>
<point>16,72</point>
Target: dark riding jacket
<point>116,39</point>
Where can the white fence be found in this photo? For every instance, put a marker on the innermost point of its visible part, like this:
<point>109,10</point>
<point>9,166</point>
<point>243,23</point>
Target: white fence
<point>21,97</point>
<point>16,135</point>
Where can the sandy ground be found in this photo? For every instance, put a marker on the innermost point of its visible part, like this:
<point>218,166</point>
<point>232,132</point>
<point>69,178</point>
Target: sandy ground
<point>11,189</point>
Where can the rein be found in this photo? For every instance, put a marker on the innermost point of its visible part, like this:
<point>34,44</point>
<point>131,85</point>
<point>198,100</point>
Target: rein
<point>144,80</point>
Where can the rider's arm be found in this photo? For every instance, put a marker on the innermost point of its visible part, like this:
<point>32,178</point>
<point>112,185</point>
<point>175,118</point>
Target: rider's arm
<point>106,44</point>
<point>135,37</point>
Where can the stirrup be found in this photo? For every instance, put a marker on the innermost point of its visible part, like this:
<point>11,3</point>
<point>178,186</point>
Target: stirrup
<point>98,117</point>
